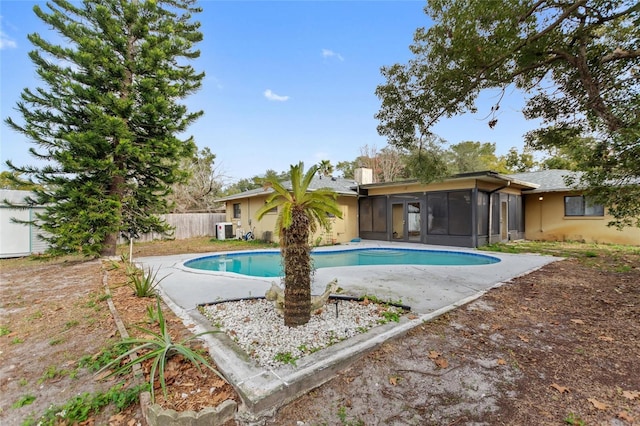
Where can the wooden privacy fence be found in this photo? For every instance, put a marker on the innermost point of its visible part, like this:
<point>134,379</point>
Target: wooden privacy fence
<point>186,225</point>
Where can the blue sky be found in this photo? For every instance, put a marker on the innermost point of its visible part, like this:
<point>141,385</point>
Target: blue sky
<point>286,81</point>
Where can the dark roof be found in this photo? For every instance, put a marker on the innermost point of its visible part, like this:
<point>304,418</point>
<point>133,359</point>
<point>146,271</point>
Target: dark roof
<point>339,185</point>
<point>487,176</point>
<point>548,180</point>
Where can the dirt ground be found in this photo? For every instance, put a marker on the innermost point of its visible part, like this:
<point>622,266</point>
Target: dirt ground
<point>55,314</point>
<point>558,346</point>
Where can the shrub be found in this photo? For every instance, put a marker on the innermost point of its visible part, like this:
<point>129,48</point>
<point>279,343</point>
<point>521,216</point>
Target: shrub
<point>159,348</point>
<point>144,283</point>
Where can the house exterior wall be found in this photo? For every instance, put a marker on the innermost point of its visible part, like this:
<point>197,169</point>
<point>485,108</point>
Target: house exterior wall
<point>246,221</point>
<point>545,220</point>
<point>342,230</point>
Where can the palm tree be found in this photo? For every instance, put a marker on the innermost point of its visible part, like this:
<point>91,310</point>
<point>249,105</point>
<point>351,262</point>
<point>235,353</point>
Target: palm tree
<point>325,167</point>
<point>301,210</point>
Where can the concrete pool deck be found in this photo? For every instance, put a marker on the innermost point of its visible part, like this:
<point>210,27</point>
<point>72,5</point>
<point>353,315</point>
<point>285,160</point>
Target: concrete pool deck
<point>429,290</point>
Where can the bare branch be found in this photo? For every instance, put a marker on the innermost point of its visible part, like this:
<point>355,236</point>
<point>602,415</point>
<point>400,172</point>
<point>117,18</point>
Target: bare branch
<point>620,54</point>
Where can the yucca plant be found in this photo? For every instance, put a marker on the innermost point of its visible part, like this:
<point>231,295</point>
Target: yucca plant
<point>159,348</point>
<point>144,283</point>
<point>130,267</point>
<point>152,315</point>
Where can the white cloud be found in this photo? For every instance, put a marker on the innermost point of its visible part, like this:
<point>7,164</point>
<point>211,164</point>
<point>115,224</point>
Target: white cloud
<point>6,42</point>
<point>215,81</point>
<point>273,97</point>
<point>328,53</point>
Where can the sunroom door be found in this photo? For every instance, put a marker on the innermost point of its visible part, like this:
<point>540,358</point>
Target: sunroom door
<point>406,221</point>
<point>398,222</point>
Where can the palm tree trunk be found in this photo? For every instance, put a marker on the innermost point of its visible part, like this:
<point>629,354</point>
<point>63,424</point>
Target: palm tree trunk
<point>296,253</point>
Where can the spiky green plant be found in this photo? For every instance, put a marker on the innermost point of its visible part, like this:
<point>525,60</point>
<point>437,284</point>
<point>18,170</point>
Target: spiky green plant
<point>159,348</point>
<point>144,283</point>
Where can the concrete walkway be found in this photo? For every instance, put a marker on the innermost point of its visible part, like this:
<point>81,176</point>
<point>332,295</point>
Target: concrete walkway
<point>429,290</point>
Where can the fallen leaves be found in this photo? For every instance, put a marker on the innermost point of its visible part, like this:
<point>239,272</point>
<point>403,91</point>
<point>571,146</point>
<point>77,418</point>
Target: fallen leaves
<point>597,404</point>
<point>393,380</point>
<point>117,419</point>
<point>442,363</point>
<point>561,389</point>
<point>438,359</point>
<point>631,394</point>
<point>624,415</point>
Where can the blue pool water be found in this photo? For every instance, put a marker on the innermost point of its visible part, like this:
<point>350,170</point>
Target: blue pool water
<point>268,263</point>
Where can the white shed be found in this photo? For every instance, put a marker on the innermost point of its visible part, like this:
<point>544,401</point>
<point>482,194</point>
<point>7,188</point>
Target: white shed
<point>17,239</point>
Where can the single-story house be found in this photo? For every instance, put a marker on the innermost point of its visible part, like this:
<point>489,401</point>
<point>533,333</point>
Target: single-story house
<point>458,211</point>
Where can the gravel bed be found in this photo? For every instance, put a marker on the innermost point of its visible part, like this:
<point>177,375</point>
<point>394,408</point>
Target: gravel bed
<point>260,331</point>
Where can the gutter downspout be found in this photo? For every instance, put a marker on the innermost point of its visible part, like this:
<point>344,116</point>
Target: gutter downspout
<point>357,207</point>
<point>491,206</point>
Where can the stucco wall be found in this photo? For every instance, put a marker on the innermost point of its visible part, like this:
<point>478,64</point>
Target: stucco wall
<point>545,220</point>
<point>342,230</point>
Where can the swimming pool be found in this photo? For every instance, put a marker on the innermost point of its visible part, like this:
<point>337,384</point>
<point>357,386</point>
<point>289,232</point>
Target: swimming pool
<point>268,263</point>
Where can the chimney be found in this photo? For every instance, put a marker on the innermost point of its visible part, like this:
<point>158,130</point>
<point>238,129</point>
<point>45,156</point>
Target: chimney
<point>363,175</point>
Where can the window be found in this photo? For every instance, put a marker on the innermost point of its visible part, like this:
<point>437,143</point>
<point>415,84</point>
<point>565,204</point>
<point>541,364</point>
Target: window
<point>366,215</point>
<point>460,213</point>
<point>437,214</point>
<point>236,211</point>
<point>379,209</point>
<point>578,205</point>
<point>483,213</point>
<point>373,214</point>
<point>513,213</point>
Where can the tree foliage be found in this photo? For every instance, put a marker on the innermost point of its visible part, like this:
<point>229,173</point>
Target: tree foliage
<point>300,212</point>
<point>576,60</point>
<point>347,168</point>
<point>107,117</point>
<point>14,180</point>
<point>203,186</point>
<point>516,162</point>
<point>255,182</point>
<point>470,156</point>
<point>325,167</point>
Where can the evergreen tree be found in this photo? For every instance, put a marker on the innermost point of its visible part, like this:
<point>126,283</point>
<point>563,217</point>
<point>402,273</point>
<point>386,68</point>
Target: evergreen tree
<point>106,120</point>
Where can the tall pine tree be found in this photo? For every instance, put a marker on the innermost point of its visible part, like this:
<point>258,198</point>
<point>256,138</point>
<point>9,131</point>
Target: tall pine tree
<point>107,120</point>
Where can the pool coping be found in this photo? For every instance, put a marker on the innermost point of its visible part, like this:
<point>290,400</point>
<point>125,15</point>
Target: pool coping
<point>263,390</point>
